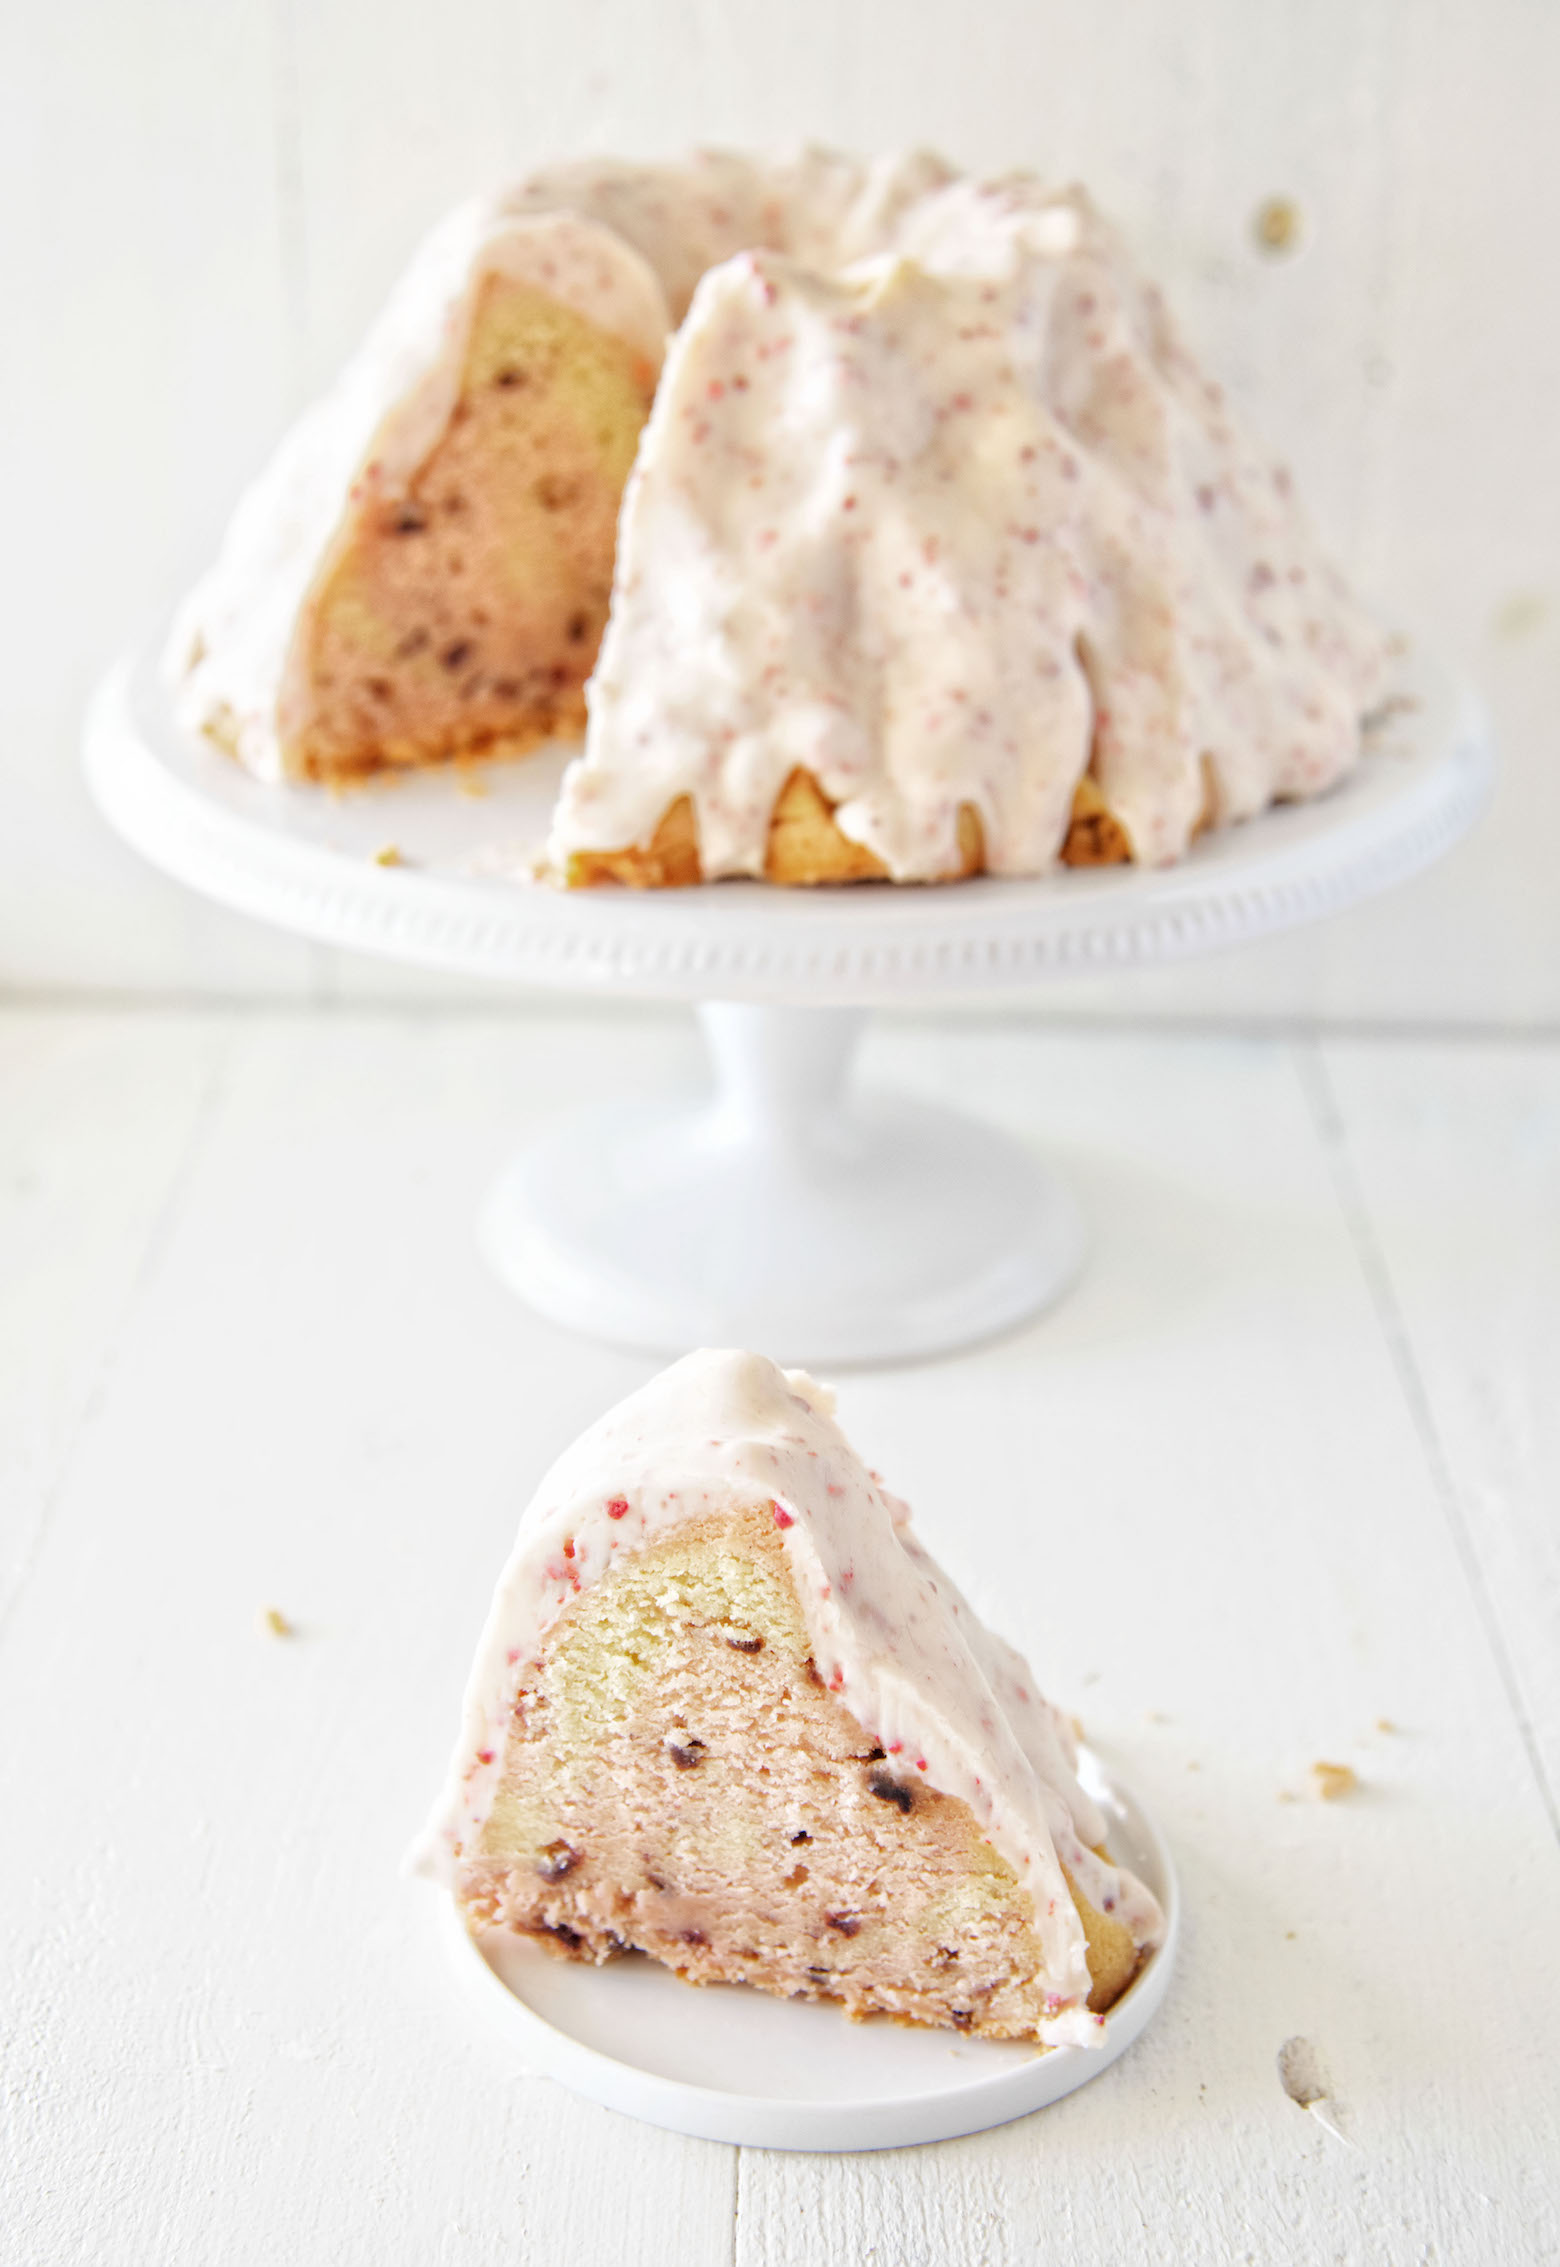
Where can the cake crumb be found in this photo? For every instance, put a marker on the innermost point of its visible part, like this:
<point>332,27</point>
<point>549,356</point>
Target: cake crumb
<point>1276,224</point>
<point>274,1622</point>
<point>389,856</point>
<point>1385,1724</point>
<point>1333,1780</point>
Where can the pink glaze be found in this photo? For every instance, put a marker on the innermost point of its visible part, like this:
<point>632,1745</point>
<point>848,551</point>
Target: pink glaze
<point>940,527</point>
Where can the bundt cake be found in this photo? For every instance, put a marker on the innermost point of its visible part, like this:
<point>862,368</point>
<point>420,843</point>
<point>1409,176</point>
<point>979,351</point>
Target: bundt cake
<point>726,1711</point>
<point>926,549</point>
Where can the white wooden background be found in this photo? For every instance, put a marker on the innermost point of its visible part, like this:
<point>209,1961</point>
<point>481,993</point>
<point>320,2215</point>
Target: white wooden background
<point>1293,1448</point>
<point>201,202</point>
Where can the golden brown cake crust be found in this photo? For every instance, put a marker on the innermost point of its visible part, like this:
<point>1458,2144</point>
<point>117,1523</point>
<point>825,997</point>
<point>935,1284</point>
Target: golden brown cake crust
<point>805,848</point>
<point>677,1780</point>
<point>1095,837</point>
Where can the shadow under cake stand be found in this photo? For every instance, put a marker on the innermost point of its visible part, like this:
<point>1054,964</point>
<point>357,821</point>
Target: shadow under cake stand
<point>785,1210</point>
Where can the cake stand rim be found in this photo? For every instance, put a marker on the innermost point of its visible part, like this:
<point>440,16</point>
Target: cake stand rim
<point>748,941</point>
<point>842,2124</point>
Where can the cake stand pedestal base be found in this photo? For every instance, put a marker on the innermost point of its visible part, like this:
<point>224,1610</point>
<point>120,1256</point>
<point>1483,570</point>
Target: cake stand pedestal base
<point>787,1212</point>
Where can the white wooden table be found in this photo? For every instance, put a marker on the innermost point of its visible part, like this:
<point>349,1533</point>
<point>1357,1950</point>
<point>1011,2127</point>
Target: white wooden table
<point>1299,1431</point>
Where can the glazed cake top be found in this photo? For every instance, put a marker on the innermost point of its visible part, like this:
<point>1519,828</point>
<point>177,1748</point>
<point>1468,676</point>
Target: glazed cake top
<point>891,1636</point>
<point>942,528</point>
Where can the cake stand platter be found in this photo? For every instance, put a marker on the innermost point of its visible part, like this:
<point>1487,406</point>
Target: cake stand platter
<point>784,1210</point>
<point>631,2036</point>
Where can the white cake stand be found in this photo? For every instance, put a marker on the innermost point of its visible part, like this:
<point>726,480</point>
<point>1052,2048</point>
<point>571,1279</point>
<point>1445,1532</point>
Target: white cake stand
<point>784,1211</point>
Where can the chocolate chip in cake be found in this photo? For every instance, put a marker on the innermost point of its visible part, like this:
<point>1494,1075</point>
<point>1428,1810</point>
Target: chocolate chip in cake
<point>578,627</point>
<point>557,1859</point>
<point>508,379</point>
<point>962,2018</point>
<point>746,1644</point>
<point>685,1753</point>
<point>456,655</point>
<point>888,1789</point>
<point>801,1835</point>
<point>848,1924</point>
<point>565,1935</point>
<point>693,1936</point>
<point>810,1667</point>
<point>408,521</point>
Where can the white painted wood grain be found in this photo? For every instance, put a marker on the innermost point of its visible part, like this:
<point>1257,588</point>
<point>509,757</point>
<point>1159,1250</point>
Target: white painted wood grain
<point>1453,1156</point>
<point>1198,1493</point>
<point>212,202</point>
<point>98,1123</point>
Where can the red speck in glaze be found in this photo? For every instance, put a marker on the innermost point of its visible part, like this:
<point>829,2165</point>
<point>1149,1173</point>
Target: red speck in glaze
<point>920,1763</point>
<point>568,1548</point>
<point>484,1755</point>
<point>782,1516</point>
<point>617,1508</point>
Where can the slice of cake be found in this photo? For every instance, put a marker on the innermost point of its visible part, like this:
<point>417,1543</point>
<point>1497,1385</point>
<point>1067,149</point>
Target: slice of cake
<point>726,1711</point>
